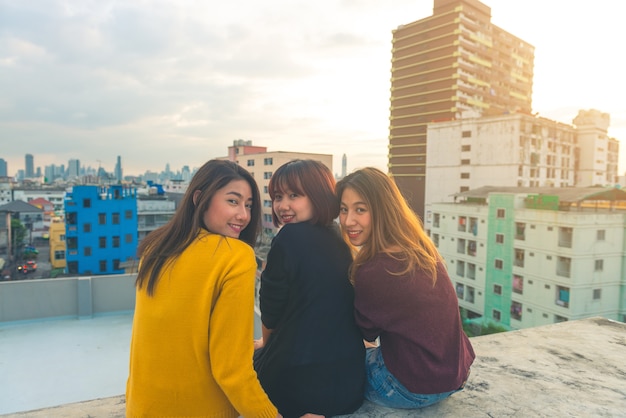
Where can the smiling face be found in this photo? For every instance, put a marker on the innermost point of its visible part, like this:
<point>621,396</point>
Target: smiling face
<point>229,211</point>
<point>291,207</point>
<point>355,217</point>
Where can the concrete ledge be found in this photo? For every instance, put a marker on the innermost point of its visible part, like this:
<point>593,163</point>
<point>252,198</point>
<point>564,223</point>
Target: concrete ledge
<point>575,368</point>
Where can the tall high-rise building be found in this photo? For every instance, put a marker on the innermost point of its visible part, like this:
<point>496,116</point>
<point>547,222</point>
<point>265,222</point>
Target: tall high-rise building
<point>3,168</point>
<point>452,65</point>
<point>29,166</point>
<point>118,169</point>
<point>73,168</point>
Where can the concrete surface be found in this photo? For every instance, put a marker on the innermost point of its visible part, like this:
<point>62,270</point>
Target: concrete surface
<point>570,369</point>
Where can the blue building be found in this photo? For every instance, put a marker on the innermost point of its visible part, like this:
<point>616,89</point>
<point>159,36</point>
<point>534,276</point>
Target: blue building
<point>101,229</point>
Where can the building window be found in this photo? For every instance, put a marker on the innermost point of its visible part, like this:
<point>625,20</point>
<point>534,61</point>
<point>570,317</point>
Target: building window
<point>116,264</point>
<point>466,134</point>
<point>516,311</point>
<point>87,227</point>
<point>465,175</point>
<point>460,290</point>
<point>562,296</point>
<point>462,224</point>
<point>128,214</point>
<point>267,217</point>
<point>559,318</point>
<point>471,271</point>
<point>102,242</point>
<point>495,314</point>
<point>500,213</point>
<point>115,218</point>
<point>497,289</point>
<point>520,231</point>
<point>116,241</point>
<point>466,148</point>
<point>565,237</point>
<point>87,251</point>
<point>268,161</point>
<point>436,240</point>
<point>72,267</point>
<point>103,266</point>
<point>600,235</point>
<point>102,218</point>
<point>71,218</point>
<point>563,266</point>
<point>72,243</point>
<point>599,265</point>
<point>499,238</point>
<point>518,284</point>
<point>460,268</point>
<point>59,255</point>
<point>128,238</point>
<point>250,163</point>
<point>465,161</point>
<point>597,294</point>
<point>498,264</point>
<point>460,246</point>
<point>86,203</point>
<point>436,218</point>
<point>267,203</point>
<point>519,257</point>
<point>469,294</point>
<point>471,248</point>
<point>265,189</point>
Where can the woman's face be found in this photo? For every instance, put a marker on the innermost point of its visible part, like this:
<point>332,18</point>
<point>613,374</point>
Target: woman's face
<point>291,207</point>
<point>355,217</point>
<point>229,211</point>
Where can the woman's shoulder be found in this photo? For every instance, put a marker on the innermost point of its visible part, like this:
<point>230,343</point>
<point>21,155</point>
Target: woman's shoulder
<point>207,240</point>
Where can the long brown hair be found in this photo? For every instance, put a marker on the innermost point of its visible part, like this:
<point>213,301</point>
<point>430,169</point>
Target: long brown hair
<point>166,243</point>
<point>396,229</point>
<point>310,178</point>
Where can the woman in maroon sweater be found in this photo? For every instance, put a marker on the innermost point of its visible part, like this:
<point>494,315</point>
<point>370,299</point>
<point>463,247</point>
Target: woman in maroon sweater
<point>403,297</point>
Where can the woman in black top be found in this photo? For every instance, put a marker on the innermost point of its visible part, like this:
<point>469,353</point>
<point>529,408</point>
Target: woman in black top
<point>311,356</point>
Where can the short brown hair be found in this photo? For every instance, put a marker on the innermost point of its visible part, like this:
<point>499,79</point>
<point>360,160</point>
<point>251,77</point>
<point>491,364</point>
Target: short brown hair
<point>310,178</point>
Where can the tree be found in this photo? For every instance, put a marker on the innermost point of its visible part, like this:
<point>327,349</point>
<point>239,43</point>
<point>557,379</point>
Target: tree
<point>18,236</point>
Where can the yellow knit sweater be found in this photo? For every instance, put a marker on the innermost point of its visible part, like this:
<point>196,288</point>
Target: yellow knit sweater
<point>191,347</point>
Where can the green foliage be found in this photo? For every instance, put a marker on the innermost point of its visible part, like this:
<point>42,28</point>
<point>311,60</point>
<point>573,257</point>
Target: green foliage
<point>18,233</point>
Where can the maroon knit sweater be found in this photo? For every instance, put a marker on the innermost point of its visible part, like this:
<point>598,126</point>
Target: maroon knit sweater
<point>421,336</point>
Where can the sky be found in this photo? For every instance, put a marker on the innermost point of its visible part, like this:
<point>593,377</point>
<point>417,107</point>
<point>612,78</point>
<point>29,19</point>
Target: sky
<point>177,81</point>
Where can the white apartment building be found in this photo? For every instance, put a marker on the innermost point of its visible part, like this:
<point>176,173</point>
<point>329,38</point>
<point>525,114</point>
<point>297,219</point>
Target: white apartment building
<point>153,211</point>
<point>525,257</point>
<point>518,150</point>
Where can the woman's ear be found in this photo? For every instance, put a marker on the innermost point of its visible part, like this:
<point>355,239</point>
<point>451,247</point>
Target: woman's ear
<point>195,197</point>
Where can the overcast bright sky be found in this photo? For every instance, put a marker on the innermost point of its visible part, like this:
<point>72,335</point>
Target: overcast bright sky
<point>176,81</point>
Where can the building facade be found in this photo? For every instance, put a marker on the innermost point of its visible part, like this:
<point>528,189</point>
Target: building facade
<point>454,64</point>
<point>524,257</point>
<point>153,211</point>
<point>57,245</point>
<point>101,229</point>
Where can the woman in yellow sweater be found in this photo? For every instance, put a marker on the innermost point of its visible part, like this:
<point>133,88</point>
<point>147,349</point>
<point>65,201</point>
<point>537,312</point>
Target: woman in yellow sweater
<point>191,347</point>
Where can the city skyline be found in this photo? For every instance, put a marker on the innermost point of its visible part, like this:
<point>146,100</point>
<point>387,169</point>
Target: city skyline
<point>178,83</point>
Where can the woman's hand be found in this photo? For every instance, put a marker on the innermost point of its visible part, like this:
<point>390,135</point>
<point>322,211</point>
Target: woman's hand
<point>259,343</point>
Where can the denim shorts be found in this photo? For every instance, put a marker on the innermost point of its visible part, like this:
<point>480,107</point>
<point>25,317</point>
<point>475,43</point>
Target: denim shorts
<point>384,389</point>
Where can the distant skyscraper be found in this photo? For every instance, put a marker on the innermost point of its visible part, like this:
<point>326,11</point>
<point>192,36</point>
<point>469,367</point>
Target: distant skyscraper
<point>344,166</point>
<point>452,65</point>
<point>3,168</point>
<point>118,169</point>
<point>73,169</point>
<point>29,167</point>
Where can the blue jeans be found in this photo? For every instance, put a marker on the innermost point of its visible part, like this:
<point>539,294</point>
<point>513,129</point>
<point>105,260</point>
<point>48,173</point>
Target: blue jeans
<point>384,389</point>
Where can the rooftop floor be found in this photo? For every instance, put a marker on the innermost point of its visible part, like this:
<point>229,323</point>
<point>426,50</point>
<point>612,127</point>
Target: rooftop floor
<point>575,368</point>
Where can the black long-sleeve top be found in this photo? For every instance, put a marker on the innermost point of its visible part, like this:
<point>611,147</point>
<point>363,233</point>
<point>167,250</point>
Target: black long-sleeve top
<point>314,358</point>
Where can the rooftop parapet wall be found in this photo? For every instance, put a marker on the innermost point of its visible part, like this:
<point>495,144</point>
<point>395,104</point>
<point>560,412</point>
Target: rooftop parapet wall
<point>575,368</point>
